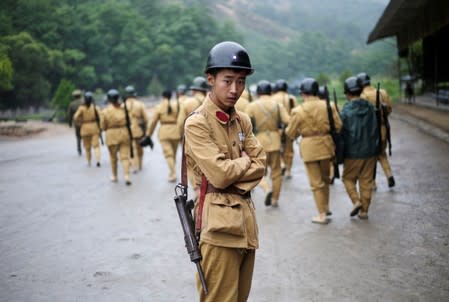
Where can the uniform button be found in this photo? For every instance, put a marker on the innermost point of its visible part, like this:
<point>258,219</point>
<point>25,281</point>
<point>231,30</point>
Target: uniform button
<point>233,143</point>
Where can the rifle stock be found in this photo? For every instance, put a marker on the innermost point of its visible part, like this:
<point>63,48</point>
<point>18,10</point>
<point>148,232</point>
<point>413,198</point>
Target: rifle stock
<point>184,209</point>
<point>97,120</point>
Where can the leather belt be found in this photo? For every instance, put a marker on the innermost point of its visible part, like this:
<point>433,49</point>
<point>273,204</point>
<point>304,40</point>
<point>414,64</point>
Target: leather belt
<point>228,190</point>
<point>173,122</point>
<point>116,127</point>
<point>315,134</point>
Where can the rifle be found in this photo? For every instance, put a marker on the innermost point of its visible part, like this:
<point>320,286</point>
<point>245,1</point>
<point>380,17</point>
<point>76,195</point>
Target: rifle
<point>379,128</point>
<point>97,119</point>
<point>336,102</point>
<point>128,127</point>
<point>333,131</point>
<point>387,127</point>
<point>184,209</point>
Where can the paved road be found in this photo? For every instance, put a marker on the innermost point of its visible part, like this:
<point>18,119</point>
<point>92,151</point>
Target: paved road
<point>68,234</point>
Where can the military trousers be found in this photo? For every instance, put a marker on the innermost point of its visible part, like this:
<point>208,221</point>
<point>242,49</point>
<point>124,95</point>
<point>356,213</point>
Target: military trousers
<point>228,273</point>
<point>138,154</point>
<point>318,174</point>
<point>78,139</point>
<point>90,141</point>
<point>383,160</point>
<point>274,168</point>
<point>287,155</point>
<point>359,171</point>
<point>169,148</point>
<point>123,150</point>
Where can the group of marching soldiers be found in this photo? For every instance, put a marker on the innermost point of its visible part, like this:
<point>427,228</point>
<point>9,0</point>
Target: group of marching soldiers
<point>329,135</point>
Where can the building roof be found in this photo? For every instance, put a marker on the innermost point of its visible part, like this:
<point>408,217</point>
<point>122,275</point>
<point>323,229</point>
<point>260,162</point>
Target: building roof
<point>410,20</point>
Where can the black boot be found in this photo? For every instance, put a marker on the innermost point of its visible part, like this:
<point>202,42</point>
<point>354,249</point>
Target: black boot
<point>391,182</point>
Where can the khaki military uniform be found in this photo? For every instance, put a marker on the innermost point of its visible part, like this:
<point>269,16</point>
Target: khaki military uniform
<point>267,115</point>
<point>117,138</point>
<point>86,116</point>
<point>71,110</point>
<point>139,122</point>
<point>187,107</point>
<point>243,101</point>
<point>214,141</point>
<point>168,135</point>
<point>289,102</point>
<point>310,120</point>
<point>369,94</point>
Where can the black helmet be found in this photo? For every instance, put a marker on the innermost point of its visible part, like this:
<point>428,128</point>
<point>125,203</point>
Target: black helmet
<point>281,85</point>
<point>364,78</point>
<point>199,83</point>
<point>113,95</point>
<point>309,86</point>
<point>166,94</point>
<point>88,97</point>
<point>263,87</point>
<point>353,85</point>
<point>130,91</point>
<point>181,89</point>
<point>228,55</point>
<point>323,93</point>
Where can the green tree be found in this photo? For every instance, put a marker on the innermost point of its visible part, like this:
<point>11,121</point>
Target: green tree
<point>62,97</point>
<point>6,70</point>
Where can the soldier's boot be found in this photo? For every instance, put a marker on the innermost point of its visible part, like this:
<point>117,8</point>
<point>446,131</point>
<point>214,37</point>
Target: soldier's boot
<point>171,167</point>
<point>391,182</point>
<point>126,164</point>
<point>97,155</point>
<point>114,171</point>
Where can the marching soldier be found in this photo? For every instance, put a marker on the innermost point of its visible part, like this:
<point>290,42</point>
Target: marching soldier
<point>181,93</point>
<point>243,101</point>
<point>139,122</point>
<point>369,94</point>
<point>282,97</point>
<point>361,140</point>
<point>166,112</point>
<point>229,161</point>
<point>88,117</point>
<point>199,89</point>
<point>118,140</point>
<point>310,120</point>
<point>77,101</point>
<point>267,118</point>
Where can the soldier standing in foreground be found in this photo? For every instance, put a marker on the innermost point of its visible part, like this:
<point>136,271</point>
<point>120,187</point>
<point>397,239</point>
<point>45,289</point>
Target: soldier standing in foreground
<point>229,161</point>
<point>386,107</point>
<point>117,136</point>
<point>77,101</point>
<point>282,97</point>
<point>361,140</point>
<point>310,120</point>
<point>166,112</point>
<point>139,122</point>
<point>267,116</point>
<point>88,117</point>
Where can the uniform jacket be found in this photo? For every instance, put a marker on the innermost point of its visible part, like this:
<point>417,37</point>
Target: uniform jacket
<point>114,123</point>
<point>188,106</point>
<point>360,132</point>
<point>267,117</point>
<point>311,121</point>
<point>369,94</point>
<point>138,116</point>
<point>169,129</point>
<point>213,148</point>
<point>85,116</point>
<point>73,107</point>
<point>284,99</point>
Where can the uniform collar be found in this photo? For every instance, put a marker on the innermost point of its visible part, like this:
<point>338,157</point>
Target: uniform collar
<point>221,116</point>
<point>311,98</point>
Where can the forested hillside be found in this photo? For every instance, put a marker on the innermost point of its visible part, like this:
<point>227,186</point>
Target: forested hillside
<point>98,45</point>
